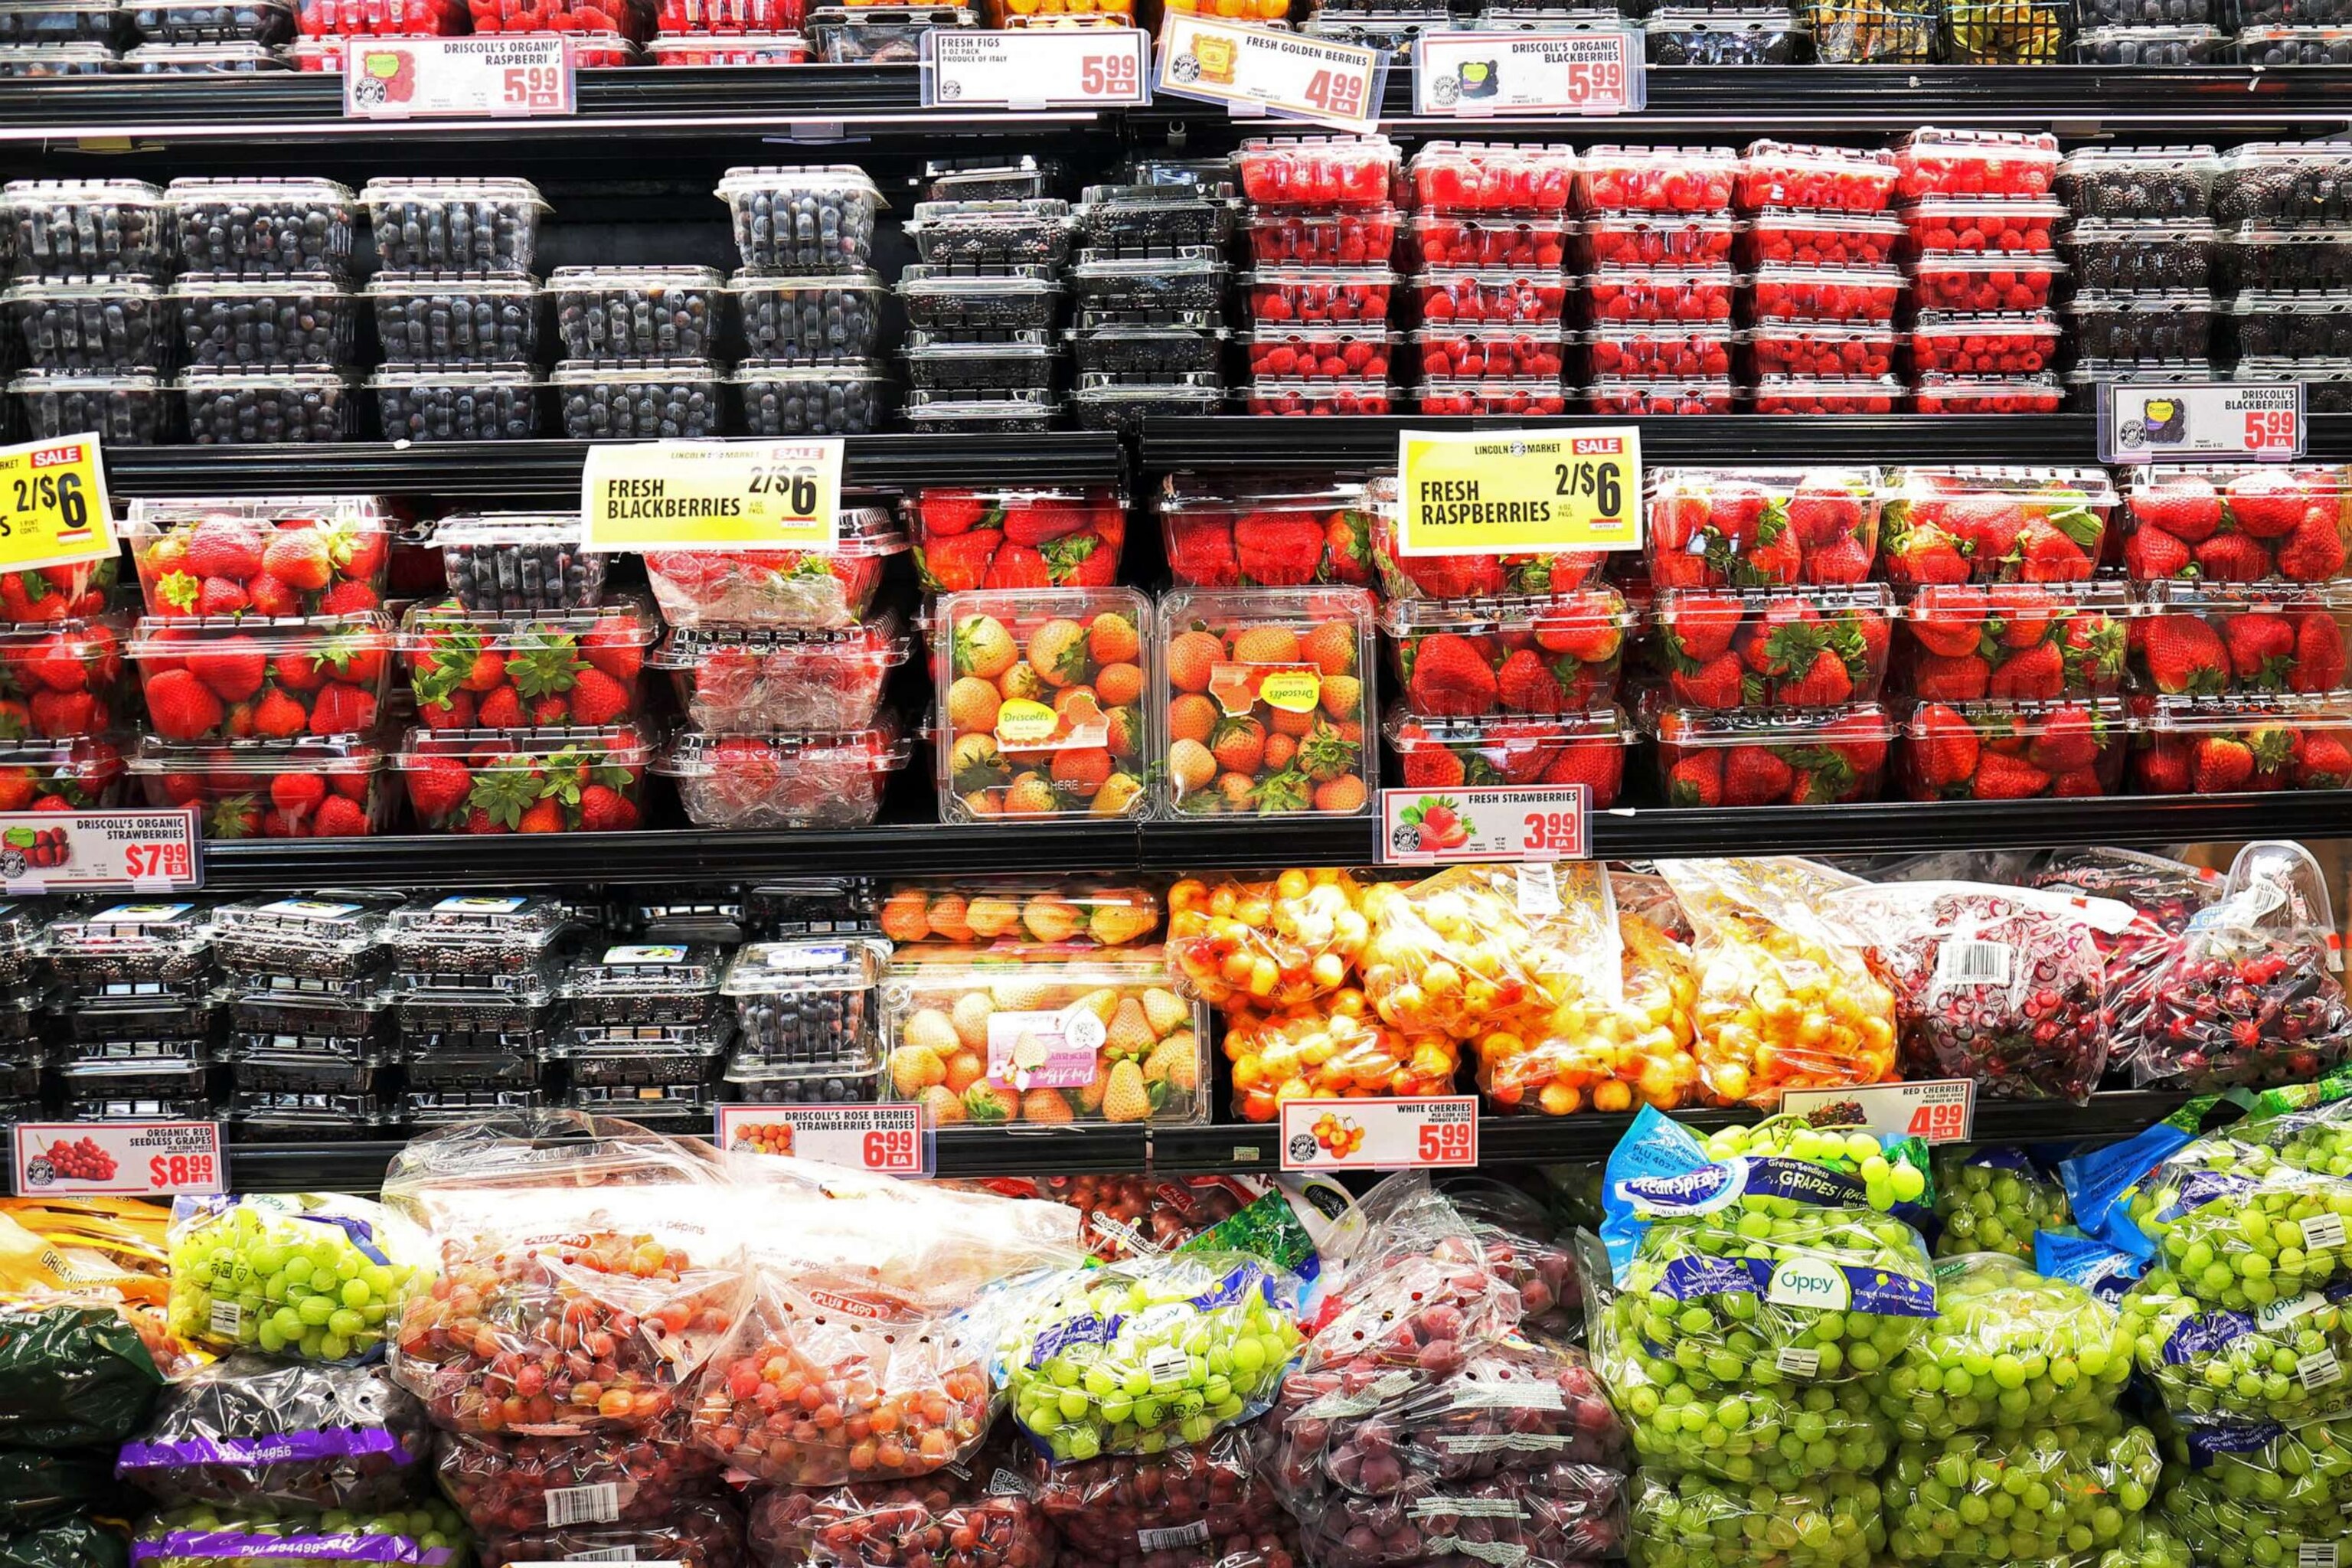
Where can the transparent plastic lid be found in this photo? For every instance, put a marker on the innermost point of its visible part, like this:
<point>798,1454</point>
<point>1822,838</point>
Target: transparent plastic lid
<point>75,286</point>
<point>413,377</point>
<point>396,285</point>
<point>821,373</point>
<point>1205,387</point>
<point>767,280</point>
<point>629,372</point>
<point>645,969</point>
<point>882,637</point>
<point>1586,610</point>
<point>828,179</point>
<point>2285,302</point>
<point>109,193</point>
<point>625,621</point>
<point>1191,261</point>
<point>198,286</point>
<point>692,754</point>
<point>2009,209</point>
<point>337,921</point>
<point>2034,264</point>
<point>728,44</point>
<point>306,379</point>
<point>36,382</point>
<point>1024,212</point>
<point>259,190</point>
<point>1970,324</point>
<point>112,925</point>
<point>1031,343</point>
<point>1742,727</point>
<point>931,279</point>
<point>533,920</point>
<point>2169,303</point>
<point>269,635</point>
<point>384,192</point>
<point>479,529</point>
<point>2086,487</point>
<point>817,963</point>
<point>2193,716</point>
<point>597,279</point>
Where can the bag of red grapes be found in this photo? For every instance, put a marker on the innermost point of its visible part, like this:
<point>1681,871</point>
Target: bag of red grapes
<point>975,1515</point>
<point>1523,1242</point>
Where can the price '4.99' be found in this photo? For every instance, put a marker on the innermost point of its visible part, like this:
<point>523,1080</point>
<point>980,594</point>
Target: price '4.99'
<point>1337,92</point>
<point>1942,1122</point>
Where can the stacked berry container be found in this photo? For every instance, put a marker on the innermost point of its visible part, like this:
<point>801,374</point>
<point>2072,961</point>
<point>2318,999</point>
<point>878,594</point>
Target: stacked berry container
<point>2285,213</point>
<point>2142,254</point>
<point>475,984</point>
<point>982,304</point>
<point>88,308</point>
<point>597,32</point>
<point>1661,286</point>
<point>303,979</point>
<point>1322,239</point>
<point>1814,214</point>
<point>645,1030</point>
<point>808,1017</point>
<point>24,993</point>
<point>1136,357</point>
<point>457,308</point>
<point>729,33</point>
<point>1496,212</point>
<point>329,27</point>
<point>1983,264</point>
<point>135,981</point>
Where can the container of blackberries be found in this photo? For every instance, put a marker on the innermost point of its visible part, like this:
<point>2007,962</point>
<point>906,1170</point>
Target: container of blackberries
<point>266,22</point>
<point>2145,12</point>
<point>303,1116</point>
<point>456,403</point>
<point>812,906</point>
<point>1182,277</point>
<point>1032,233</point>
<point>982,411</point>
<point>1124,400</point>
<point>332,935</point>
<point>2273,325</point>
<point>2327,384</point>
<point>818,219</point>
<point>138,1107</point>
<point>203,59</point>
<point>2142,182</point>
<point>445,317</point>
<point>636,313</point>
<point>126,409</point>
<point>473,1070</point>
<point>159,1068</point>
<point>2182,45</point>
<point>953,299</point>
<point>809,1002</point>
<point>249,227</point>
<point>295,1064</point>
<point>97,941</point>
<point>747,1083</point>
<point>478,933</point>
<point>2133,255</point>
<point>596,1056</point>
<point>32,62</point>
<point>1152,214</point>
<point>811,398</point>
<point>511,562</point>
<point>162,1015</point>
<point>645,983</point>
<point>665,1104</point>
<point>1021,359</point>
<point>2269,45</point>
<point>1684,37</point>
<point>49,23</point>
<point>642,399</point>
<point>463,225</point>
<point>2293,13</point>
<point>110,227</point>
<point>23,938</point>
<point>228,407</point>
<point>1147,343</point>
<point>989,179</point>
<point>276,1004</point>
<point>447,1107</point>
<point>437,1026</point>
<point>230,321</point>
<point>2083,380</point>
<point>533,985</point>
<point>88,323</point>
<point>2274,185</point>
<point>880,35</point>
<point>2281,258</point>
<point>2174,329</point>
<point>820,316</point>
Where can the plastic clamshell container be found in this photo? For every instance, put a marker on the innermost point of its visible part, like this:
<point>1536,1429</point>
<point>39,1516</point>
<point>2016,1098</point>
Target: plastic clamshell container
<point>263,1068</point>
<point>519,562</point>
<point>1558,653</point>
<point>1031,232</point>
<point>779,587</point>
<point>1742,35</point>
<point>1187,277</point>
<point>99,226</point>
<point>982,411</point>
<point>430,225</point>
<point>1122,402</point>
<point>1292,395</point>
<point>249,407</point>
<point>232,535</point>
<point>451,1107</point>
<point>2124,255</point>
<point>879,34</point>
<point>533,774</point>
<point>33,62</point>
<point>941,299</point>
<point>2226,522</point>
<point>2175,328</point>
<point>2015,751</point>
<point>584,662</point>
<point>63,679</point>
<point>1161,343</point>
<point>1588,748</point>
<point>124,408</point>
<point>212,22</point>
<point>812,780</point>
<point>1994,524</point>
<point>467,403</point>
<point>1706,526</point>
<point>1335,354</point>
<point>1633,395</point>
<point>330,22</point>
<point>1773,648</point>
<point>1826,294</point>
<point>108,939</point>
<point>1656,179</point>
<point>330,934</point>
<point>1020,359</point>
<point>748,1085</point>
<point>1278,237</point>
<point>78,774</point>
<point>2268,46</point>
<point>1790,394</point>
<point>2286,259</point>
<point>632,983</point>
<point>817,219</point>
<point>1040,913</point>
<point>1939,392</point>
<point>54,22</point>
<point>2292,326</point>
<point>1821,350</point>
<point>1318,174</point>
<point>1646,239</point>
<point>817,316</point>
<point>22,942</point>
<point>1041,1027</point>
<point>636,313</point>
<point>2138,183</point>
<point>1152,215</point>
<point>1772,757</point>
<point>1530,395</point>
<point>2279,743</point>
<point>1629,294</point>
<point>1984,282</point>
<point>2167,46</point>
<point>807,1004</point>
<point>989,179</point>
<point>1943,226</point>
<point>217,677</point>
<point>1467,179</point>
<point>761,681</point>
<point>1825,239</point>
<point>2327,384</point>
<point>730,49</point>
<point>2203,639</point>
<point>1471,296</point>
<point>669,400</point>
<point>88,323</point>
<point>1475,354</point>
<point>810,397</point>
<point>2025,343</point>
<point>1664,350</point>
<point>1320,295</point>
<point>309,318</point>
<point>456,318</point>
<point>1934,161</point>
<point>238,792</point>
<point>1812,178</point>
<point>1292,661</point>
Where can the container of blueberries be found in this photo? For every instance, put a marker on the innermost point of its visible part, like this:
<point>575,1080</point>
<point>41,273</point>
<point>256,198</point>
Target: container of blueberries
<point>748,1083</point>
<point>807,1003</point>
<point>230,408</point>
<point>982,411</point>
<point>455,402</point>
<point>1021,359</point>
<point>2292,326</point>
<point>227,321</point>
<point>1147,343</point>
<point>818,219</point>
<point>2272,45</point>
<point>126,409</point>
<point>49,23</point>
<point>512,563</point>
<point>2132,255</point>
<point>1124,401</point>
<point>822,316</point>
<point>2138,183</point>
<point>636,313</point>
<point>106,227</point>
<point>444,318</point>
<point>481,934</point>
<point>88,323</point>
<point>641,399</point>
<point>949,300</point>
<point>2143,329</point>
<point>1147,215</point>
<point>466,226</point>
<point>202,59</point>
<point>34,62</point>
<point>2184,45</point>
<point>245,228</point>
<point>2272,184</point>
<point>645,983</point>
<point>808,397</point>
<point>333,934</point>
<point>1684,37</point>
<point>99,941</point>
<point>266,22</point>
<point>1185,278</point>
<point>2286,258</point>
<point>1032,232</point>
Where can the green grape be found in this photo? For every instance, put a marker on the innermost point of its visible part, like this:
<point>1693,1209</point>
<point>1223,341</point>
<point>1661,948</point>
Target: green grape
<point>2242,1228</point>
<point>1150,1354</point>
<point>2008,1348</point>
<point>1993,1200</point>
<point>1889,1174</point>
<point>2289,1361</point>
<point>309,1276</point>
<point>1762,1299</point>
<point>2020,1497</point>
<point>1831,1521</point>
<point>2248,1497</point>
<point>429,1533</point>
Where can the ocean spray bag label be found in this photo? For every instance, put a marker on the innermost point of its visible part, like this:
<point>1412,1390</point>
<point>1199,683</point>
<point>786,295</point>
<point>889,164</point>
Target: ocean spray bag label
<point>2106,1272</point>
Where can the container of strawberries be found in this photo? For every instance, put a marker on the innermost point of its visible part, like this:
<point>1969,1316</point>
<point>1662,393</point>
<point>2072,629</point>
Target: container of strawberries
<point>1778,757</point>
<point>810,588</point>
<point>224,677</point>
<point>1261,711</point>
<point>1758,528</point>
<point>529,781</point>
<point>2241,744</point>
<point>1765,647</point>
<point>1995,524</point>
<point>319,787</point>
<point>1586,749</point>
<point>1024,537</point>
<point>803,779</point>
<point>44,595</point>
<point>60,775</point>
<point>1274,532</point>
<point>1444,569</point>
<point>1991,750</point>
<point>2255,522</point>
<point>2030,642</point>
<point>2199,640</point>
<point>1558,653</point>
<point>1470,179</point>
<point>296,555</point>
<point>63,680</point>
<point>485,670</point>
<point>745,680</point>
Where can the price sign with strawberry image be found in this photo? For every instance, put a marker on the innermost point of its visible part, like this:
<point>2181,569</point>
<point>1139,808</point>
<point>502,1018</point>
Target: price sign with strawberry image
<point>142,1159</point>
<point>502,76</point>
<point>885,1140</point>
<point>99,851</point>
<point>1486,823</point>
<point>1437,1134</point>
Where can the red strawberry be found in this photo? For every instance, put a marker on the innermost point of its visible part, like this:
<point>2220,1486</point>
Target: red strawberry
<point>1599,765</point>
<point>1453,576</point>
<point>1926,554</point>
<point>2233,558</point>
<point>1951,679</point>
<point>1756,776</point>
<point>1033,522</point>
<point>63,714</point>
<point>341,710</point>
<point>224,547</point>
<point>2184,657</point>
<point>340,818</point>
<point>2319,660</point>
<point>297,793</point>
<point>2031,675</point>
<point>1943,747</point>
<point>2004,777</point>
<point>1720,683</point>
<point>2047,553</point>
<point>1860,739</point>
<point>233,666</point>
<point>598,699</point>
<point>2185,506</point>
<point>1428,765</point>
<point>348,598</point>
<point>2151,555</point>
<point>2069,739</point>
<point>55,662</point>
<point>1987,526</point>
<point>297,558</point>
<point>1081,561</point>
<point>455,712</point>
<point>540,817</point>
<point>604,810</point>
<point>2314,552</point>
<point>2265,503</point>
<point>1449,677</point>
<point>958,563</point>
<point>1018,566</point>
<point>1526,684</point>
<point>1700,626</point>
<point>501,709</point>
<point>278,716</point>
<point>266,595</point>
<point>1951,621</point>
<point>1842,560</point>
<point>2076,783</point>
<point>1697,778</point>
<point>1202,553</point>
<point>1823,683</point>
<point>2262,648</point>
<point>181,707</point>
<point>616,646</point>
<point>1822,513</point>
<point>2220,764</point>
<point>437,785</point>
<point>2163,769</point>
<point>2326,762</point>
<point>947,513</point>
<point>1278,549</point>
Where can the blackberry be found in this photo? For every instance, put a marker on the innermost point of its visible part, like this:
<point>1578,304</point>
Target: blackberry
<point>942,299</point>
<point>2293,326</point>
<point>2262,259</point>
<point>2137,258</point>
<point>2144,329</point>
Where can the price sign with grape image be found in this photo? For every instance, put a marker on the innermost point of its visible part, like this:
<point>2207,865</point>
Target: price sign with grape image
<point>146,1158</point>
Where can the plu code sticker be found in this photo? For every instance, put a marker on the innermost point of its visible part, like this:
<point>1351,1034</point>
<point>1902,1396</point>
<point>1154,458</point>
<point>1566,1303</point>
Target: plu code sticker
<point>2319,1370</point>
<point>1798,1361</point>
<point>2323,1233</point>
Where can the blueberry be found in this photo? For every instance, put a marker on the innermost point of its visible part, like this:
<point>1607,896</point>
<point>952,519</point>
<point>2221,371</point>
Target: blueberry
<point>211,22</point>
<point>108,228</point>
<point>826,318</point>
<point>805,1029</point>
<point>781,399</point>
<point>88,323</point>
<point>264,321</point>
<point>645,401</point>
<point>803,220</point>
<point>65,22</point>
<point>635,312</point>
<point>420,405</point>
<point>431,318</point>
<point>243,408</point>
<point>126,410</point>
<point>241,228</point>
<point>478,226</point>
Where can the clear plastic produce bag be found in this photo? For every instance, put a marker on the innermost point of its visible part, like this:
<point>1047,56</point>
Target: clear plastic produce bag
<point>2163,895</point>
<point>1110,1508</point>
<point>1265,944</point>
<point>2290,1361</point>
<point>1560,1516</point>
<point>72,1541</point>
<point>2008,1348</point>
<point>954,1519</point>
<point>2252,1215</point>
<point>510,1486</point>
<point>2033,1495</point>
<point>198,1535</point>
<point>1417,1295</point>
<point>1994,1200</point>
<point>249,1430</point>
<point>73,1373</point>
<point>303,1275</point>
<point>2253,1496</point>
<point>1477,950</point>
<point>1523,1245</point>
<point>696,1533</point>
<point>1827,1521</point>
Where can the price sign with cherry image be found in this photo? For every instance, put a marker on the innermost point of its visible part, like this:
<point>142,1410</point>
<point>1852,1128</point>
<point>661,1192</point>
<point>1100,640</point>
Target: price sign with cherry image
<point>883,1140</point>
<point>135,1159</point>
<point>1437,1133</point>
<point>1937,1110</point>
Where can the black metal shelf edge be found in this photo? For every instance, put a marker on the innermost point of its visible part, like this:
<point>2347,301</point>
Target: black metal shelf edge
<point>459,469</point>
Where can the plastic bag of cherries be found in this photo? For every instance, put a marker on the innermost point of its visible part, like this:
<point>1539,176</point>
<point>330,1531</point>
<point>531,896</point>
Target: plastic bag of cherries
<point>1129,1505</point>
<point>956,1517</point>
<point>509,1486</point>
<point>583,1280</point>
<point>1138,1216</point>
<point>2163,895</point>
<point>2247,993</point>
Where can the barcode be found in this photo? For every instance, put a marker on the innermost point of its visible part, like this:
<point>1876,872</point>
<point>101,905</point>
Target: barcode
<point>597,1504</point>
<point>1538,891</point>
<point>2319,1370</point>
<point>605,1554</point>
<point>1002,1482</point>
<point>1968,961</point>
<point>226,1319</point>
<point>1167,1366</point>
<point>2323,1232</point>
<point>1799,1362</point>
<point>2315,1554</point>
<point>1196,1534</point>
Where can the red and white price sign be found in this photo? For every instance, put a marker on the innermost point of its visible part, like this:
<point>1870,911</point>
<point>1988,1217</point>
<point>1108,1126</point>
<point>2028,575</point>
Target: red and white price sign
<point>1379,1134</point>
<point>2198,421</point>
<point>1470,75</point>
<point>149,1159</point>
<point>101,851</point>
<point>885,1140</point>
<point>1037,68</point>
<point>1258,71</point>
<point>1941,1111</point>
<point>1485,823</point>
<point>501,76</point>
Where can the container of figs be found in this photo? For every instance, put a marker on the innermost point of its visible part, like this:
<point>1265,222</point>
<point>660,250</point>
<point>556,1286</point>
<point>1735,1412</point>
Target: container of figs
<point>808,1003</point>
<point>827,316</point>
<point>108,227</point>
<point>226,407</point>
<point>503,944</point>
<point>454,224</point>
<point>124,408</point>
<point>668,400</point>
<point>98,940</point>
<point>331,935</point>
<point>754,681</point>
<point>88,323</point>
<point>963,299</point>
<point>811,398</point>
<point>818,219</point>
<point>636,313</point>
<point>246,228</point>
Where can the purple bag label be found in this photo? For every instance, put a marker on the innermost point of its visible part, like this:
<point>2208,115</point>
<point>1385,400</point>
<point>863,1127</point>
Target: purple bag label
<point>1088,1329</point>
<point>1234,1286</point>
<point>2204,1187</point>
<point>233,1544</point>
<point>278,1448</point>
<point>1698,1275</point>
<point>2207,1334</point>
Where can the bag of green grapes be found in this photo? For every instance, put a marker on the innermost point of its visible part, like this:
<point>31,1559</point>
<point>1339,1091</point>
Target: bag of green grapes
<point>1831,1521</point>
<point>2256,1212</point>
<point>2008,1348</point>
<point>2262,1496</point>
<point>423,1535</point>
<point>309,1276</point>
<point>1993,1200</point>
<point>2041,1494</point>
<point>75,1540</point>
<point>2288,1360</point>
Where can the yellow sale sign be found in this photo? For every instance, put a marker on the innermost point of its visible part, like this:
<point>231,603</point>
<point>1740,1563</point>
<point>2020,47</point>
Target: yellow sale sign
<point>53,505</point>
<point>1518,492</point>
<point>713,495</point>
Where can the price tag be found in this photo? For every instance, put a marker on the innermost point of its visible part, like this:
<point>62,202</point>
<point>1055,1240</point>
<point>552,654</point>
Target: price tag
<point>1260,70</point>
<point>1467,76</point>
<point>1938,1110</point>
<point>144,1158</point>
<point>1485,823</point>
<point>1036,68</point>
<point>885,1140</point>
<point>58,513</point>
<point>2142,422</point>
<point>713,495</point>
<point>1469,492</point>
<point>101,851</point>
<point>1379,1134</point>
<point>502,76</point>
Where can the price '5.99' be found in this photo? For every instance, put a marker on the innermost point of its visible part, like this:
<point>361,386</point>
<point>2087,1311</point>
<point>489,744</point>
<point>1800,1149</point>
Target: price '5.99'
<point>1588,80</point>
<point>1447,1142</point>
<point>532,87</point>
<point>1107,76</point>
<point>2269,429</point>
